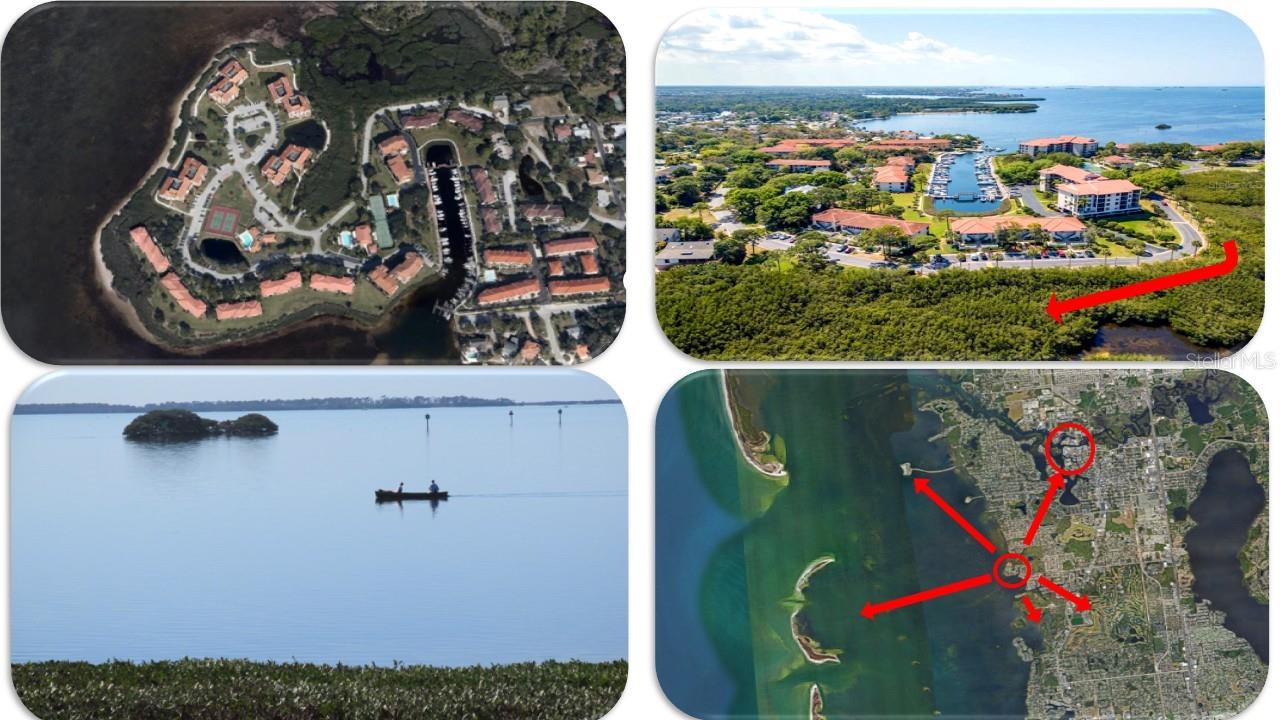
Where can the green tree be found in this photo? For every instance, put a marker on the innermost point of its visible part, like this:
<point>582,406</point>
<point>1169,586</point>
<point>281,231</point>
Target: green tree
<point>730,250</point>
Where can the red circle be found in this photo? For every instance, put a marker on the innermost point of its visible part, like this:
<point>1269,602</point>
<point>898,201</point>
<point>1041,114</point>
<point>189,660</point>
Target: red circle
<point>1017,582</point>
<point>1048,447</point>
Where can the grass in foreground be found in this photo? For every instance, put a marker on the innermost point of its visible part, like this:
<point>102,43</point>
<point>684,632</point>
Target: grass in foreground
<point>239,689</point>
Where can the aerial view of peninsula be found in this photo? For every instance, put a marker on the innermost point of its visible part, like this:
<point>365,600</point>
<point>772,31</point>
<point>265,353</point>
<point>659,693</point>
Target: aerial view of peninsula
<point>230,546</point>
<point>844,185</point>
<point>964,543</point>
<point>392,182</point>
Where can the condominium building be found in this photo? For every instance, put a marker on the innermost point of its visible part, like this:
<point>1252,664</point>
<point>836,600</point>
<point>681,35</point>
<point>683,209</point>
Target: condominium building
<point>1099,197</point>
<point>1074,144</point>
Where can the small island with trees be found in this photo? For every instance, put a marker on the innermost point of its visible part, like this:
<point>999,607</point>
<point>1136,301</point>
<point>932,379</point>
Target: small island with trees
<point>181,425</point>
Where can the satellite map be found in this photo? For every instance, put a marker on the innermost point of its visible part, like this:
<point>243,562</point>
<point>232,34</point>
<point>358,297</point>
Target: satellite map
<point>376,182</point>
<point>985,543</point>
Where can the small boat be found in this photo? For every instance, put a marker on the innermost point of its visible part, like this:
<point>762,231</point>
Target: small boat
<point>393,496</point>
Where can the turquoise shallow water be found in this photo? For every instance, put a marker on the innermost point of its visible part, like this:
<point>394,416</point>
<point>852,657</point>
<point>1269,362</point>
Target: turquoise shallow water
<point>273,549</point>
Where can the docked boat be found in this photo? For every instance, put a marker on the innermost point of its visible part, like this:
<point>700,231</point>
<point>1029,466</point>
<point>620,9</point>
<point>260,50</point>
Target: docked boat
<point>393,496</point>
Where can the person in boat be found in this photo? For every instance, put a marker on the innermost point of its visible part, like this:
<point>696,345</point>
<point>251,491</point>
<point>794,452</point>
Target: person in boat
<point>434,487</point>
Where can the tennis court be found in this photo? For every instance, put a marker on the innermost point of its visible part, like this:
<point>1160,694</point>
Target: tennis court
<point>222,221</point>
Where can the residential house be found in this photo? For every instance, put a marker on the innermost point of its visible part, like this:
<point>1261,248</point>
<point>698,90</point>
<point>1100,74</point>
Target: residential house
<point>400,169</point>
<point>569,246</point>
<point>470,121</point>
<point>543,213</point>
<point>1119,162</point>
<point>484,187</point>
<point>394,145</point>
<point>508,257</point>
<point>684,253</point>
<point>421,121</point>
<point>892,178</point>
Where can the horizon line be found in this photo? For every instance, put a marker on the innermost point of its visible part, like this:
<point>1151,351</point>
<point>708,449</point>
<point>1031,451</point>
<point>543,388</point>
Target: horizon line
<point>930,87</point>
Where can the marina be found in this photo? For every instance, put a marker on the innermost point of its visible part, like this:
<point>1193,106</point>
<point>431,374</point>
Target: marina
<point>965,181</point>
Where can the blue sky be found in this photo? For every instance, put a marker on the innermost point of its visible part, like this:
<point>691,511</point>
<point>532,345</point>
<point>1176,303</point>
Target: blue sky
<point>811,46</point>
<point>138,387</point>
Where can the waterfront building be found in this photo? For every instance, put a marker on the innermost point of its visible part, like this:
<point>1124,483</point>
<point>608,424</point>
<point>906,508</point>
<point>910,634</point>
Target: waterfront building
<point>286,284</point>
<point>1099,197</point>
<point>518,290</point>
<point>892,178</point>
<point>799,165</point>
<point>1074,144</point>
<point>1118,162</point>
<point>1051,176</point>
<point>142,238</point>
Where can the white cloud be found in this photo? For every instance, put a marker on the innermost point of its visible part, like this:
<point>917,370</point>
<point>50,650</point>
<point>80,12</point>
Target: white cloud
<point>802,37</point>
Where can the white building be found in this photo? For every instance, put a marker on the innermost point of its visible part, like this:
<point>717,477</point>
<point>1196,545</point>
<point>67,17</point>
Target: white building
<point>1099,197</point>
<point>1074,144</point>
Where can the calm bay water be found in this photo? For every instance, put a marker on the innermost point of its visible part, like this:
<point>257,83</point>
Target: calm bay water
<point>273,549</point>
<point>1198,115</point>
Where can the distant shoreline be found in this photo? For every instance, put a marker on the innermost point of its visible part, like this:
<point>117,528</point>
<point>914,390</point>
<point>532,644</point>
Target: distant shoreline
<point>295,405</point>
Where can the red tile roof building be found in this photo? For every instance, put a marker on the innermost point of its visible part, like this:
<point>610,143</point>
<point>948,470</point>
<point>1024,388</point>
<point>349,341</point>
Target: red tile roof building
<point>183,296</point>
<point>421,121</point>
<point>854,222</point>
<point>1074,144</point>
<point>578,286</point>
<point>902,161</point>
<point>297,107</point>
<point>1118,161</point>
<point>276,168</point>
<point>286,284</point>
<point>984,230</point>
<point>1054,174</point>
<point>892,178</point>
<point>364,237</point>
<point>400,169</point>
<point>569,246</point>
<point>512,257</point>
<point>530,351</point>
<point>484,187</point>
<point>544,212</point>
<point>590,266</point>
<point>1099,197</point>
<point>470,121</point>
<point>329,283</point>
<point>226,86</point>
<point>279,89</point>
<point>518,290</point>
<point>799,164</point>
<point>142,239</point>
<point>394,145</point>
<point>491,220</point>
<point>178,186</point>
<point>555,267</point>
<point>238,310</point>
<point>382,279</point>
<point>408,268</point>
<point>924,143</point>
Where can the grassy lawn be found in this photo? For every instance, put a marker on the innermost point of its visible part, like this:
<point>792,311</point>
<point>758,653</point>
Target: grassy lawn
<point>706,215</point>
<point>232,689</point>
<point>235,194</point>
<point>1117,250</point>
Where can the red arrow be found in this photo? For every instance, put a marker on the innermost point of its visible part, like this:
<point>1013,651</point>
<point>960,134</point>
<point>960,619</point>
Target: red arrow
<point>1057,308</point>
<point>1056,483</point>
<point>922,486</point>
<point>1080,601</point>
<point>1033,613</point>
<point>870,610</point>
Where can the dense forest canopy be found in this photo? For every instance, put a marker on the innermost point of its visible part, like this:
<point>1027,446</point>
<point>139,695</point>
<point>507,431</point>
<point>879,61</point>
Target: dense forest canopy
<point>773,104</point>
<point>776,306</point>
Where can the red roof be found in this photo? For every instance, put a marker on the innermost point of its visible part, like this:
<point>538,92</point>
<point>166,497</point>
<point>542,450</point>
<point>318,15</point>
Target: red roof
<point>182,295</point>
<point>394,145</point>
<point>511,291</point>
<point>1069,173</point>
<point>508,256</point>
<point>238,310</point>
<point>989,225</point>
<point>555,267</point>
<point>1099,187</point>
<point>1117,160</point>
<point>143,240</point>
<point>891,174</point>
<point>382,279</point>
<point>867,221</point>
<point>569,246</point>
<point>329,283</point>
<point>799,162</point>
<point>915,143</point>
<point>289,282</point>
<point>1060,140</point>
<point>578,286</point>
<point>408,268</point>
<point>590,266</point>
